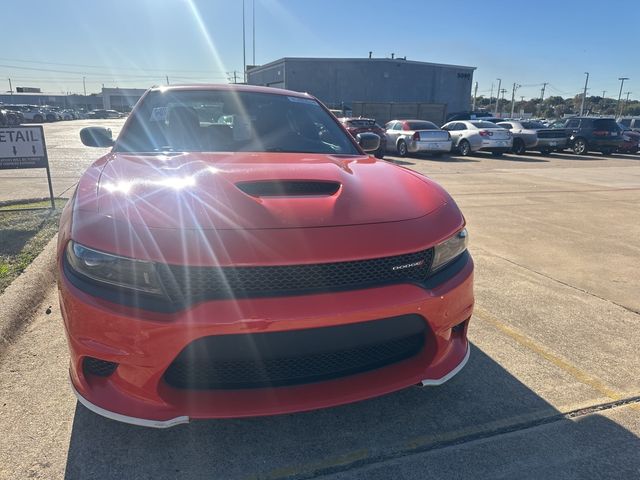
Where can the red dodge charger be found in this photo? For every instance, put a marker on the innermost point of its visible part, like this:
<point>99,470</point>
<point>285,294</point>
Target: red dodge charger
<point>237,253</point>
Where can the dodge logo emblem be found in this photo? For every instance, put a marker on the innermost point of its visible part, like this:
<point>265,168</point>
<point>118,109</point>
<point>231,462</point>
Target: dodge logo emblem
<point>408,265</point>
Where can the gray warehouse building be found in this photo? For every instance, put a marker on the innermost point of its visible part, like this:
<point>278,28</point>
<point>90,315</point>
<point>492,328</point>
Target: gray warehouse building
<point>383,88</point>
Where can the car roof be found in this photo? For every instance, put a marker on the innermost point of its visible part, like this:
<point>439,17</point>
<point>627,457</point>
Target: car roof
<point>231,87</point>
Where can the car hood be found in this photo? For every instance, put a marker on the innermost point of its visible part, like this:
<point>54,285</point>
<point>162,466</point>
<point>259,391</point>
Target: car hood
<point>249,190</point>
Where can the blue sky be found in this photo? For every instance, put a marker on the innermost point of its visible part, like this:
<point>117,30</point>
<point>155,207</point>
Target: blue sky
<point>135,43</point>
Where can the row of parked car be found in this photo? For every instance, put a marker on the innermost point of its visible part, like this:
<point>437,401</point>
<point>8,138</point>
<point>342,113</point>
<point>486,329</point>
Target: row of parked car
<point>19,114</point>
<point>498,135</point>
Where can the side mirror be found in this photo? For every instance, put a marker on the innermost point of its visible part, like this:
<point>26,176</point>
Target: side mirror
<point>369,142</point>
<point>96,137</point>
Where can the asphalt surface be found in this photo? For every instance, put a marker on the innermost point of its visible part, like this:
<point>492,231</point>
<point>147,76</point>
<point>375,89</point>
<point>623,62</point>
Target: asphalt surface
<point>551,389</point>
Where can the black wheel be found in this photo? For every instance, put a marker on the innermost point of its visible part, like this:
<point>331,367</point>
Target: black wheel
<point>13,120</point>
<point>402,148</point>
<point>379,153</point>
<point>518,146</point>
<point>464,148</point>
<point>51,117</point>
<point>496,154</point>
<point>579,146</point>
<point>38,118</point>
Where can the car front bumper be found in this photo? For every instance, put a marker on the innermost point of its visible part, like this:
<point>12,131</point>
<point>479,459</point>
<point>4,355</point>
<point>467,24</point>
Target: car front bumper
<point>144,344</point>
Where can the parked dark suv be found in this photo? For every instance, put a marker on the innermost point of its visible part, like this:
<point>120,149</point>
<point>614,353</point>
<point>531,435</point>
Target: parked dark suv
<point>591,134</point>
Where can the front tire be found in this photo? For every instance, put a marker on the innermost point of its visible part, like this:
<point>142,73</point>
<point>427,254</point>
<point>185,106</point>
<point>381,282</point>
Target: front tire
<point>402,148</point>
<point>464,148</point>
<point>580,146</point>
<point>38,118</point>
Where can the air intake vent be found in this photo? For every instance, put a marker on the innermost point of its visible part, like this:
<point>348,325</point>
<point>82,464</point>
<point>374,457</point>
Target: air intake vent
<point>288,188</point>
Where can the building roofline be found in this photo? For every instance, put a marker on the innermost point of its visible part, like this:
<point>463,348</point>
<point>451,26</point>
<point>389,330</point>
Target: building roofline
<point>334,59</point>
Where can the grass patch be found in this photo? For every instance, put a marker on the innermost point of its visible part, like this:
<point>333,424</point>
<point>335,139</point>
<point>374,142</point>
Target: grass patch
<point>23,235</point>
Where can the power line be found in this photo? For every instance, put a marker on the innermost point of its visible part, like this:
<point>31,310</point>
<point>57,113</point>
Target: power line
<point>162,70</point>
<point>95,74</point>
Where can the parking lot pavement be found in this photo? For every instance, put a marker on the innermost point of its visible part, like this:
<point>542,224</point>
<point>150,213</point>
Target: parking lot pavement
<point>68,158</point>
<point>551,389</point>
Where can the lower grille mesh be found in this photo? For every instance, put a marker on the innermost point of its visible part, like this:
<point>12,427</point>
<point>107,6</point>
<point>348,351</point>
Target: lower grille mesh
<point>290,358</point>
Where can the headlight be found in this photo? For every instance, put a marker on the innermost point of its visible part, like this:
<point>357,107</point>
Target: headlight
<point>449,249</point>
<point>138,275</point>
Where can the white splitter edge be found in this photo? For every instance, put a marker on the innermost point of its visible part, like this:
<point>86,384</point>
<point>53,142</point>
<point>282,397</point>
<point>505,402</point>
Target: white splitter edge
<point>142,422</point>
<point>450,375</point>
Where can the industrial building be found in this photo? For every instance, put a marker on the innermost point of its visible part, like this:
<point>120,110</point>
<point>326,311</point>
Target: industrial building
<point>384,87</point>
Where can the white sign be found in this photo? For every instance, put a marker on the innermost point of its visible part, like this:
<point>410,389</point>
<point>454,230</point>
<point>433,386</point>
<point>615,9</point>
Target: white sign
<point>22,147</point>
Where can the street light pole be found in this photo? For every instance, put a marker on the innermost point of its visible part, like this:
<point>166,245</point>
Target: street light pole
<point>504,90</point>
<point>475,95</point>
<point>498,96</point>
<point>10,88</point>
<point>622,79</point>
<point>584,95</point>
<point>244,48</point>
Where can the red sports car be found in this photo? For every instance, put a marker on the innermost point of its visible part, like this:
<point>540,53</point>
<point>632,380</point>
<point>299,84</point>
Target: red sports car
<point>237,253</point>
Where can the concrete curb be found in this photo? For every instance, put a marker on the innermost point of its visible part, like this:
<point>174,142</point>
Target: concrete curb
<point>21,299</point>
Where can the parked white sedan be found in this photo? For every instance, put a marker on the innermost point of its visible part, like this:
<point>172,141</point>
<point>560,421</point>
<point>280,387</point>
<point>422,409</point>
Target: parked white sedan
<point>472,135</point>
<point>414,136</point>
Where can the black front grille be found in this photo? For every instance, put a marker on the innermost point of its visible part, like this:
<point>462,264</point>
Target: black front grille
<point>295,357</point>
<point>207,283</point>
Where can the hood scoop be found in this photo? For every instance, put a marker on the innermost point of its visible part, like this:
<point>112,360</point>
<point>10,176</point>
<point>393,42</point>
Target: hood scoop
<point>289,188</point>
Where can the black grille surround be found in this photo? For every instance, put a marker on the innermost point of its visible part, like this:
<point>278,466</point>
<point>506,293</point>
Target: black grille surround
<point>260,360</point>
<point>191,284</point>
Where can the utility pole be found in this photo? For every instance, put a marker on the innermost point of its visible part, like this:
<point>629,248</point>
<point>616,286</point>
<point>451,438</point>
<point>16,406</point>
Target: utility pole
<point>625,102</point>
<point>253,36</point>
<point>603,92</point>
<point>84,88</point>
<point>498,97</point>
<point>244,48</point>
<point>513,97</point>
<point>584,95</point>
<point>167,78</point>
<point>504,90</point>
<point>10,88</point>
<point>491,97</point>
<point>475,95</point>
<point>622,79</point>
<point>544,87</point>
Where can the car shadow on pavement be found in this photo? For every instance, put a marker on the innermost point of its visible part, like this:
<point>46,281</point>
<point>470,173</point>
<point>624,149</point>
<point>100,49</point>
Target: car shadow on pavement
<point>449,159</point>
<point>398,162</point>
<point>483,402</point>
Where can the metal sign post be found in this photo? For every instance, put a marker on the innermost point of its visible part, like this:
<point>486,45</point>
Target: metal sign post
<point>24,147</point>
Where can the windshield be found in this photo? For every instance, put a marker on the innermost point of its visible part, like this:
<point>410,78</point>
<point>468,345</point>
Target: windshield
<point>485,125</point>
<point>533,125</point>
<point>361,123</point>
<point>422,126</point>
<point>228,121</point>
